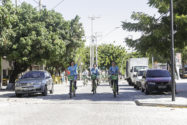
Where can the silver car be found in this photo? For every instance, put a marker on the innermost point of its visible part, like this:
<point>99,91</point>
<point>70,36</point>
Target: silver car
<point>34,82</point>
<point>138,79</point>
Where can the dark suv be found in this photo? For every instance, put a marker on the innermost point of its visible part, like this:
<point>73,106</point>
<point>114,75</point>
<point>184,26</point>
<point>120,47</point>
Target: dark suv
<point>156,80</point>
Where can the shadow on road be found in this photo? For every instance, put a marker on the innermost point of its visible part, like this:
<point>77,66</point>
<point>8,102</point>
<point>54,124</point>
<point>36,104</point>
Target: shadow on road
<point>126,93</point>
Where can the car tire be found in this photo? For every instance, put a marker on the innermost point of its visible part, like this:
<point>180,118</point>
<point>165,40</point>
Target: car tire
<point>18,95</point>
<point>142,90</point>
<point>44,93</point>
<point>134,86</point>
<point>137,87</point>
<point>52,90</point>
<point>130,82</point>
<point>146,90</point>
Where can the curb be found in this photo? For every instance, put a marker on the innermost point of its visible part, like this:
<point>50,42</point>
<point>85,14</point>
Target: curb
<point>138,103</point>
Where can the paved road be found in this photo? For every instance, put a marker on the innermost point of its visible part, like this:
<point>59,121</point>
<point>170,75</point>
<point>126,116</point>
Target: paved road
<point>86,108</point>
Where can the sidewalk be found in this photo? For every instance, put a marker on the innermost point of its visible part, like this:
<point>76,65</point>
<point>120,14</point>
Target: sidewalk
<point>166,100</point>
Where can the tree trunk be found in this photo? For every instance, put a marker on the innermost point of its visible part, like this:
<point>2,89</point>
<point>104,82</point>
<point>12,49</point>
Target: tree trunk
<point>18,68</point>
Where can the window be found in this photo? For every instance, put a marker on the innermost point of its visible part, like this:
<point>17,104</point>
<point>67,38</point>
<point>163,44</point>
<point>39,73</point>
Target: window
<point>141,73</point>
<point>158,73</point>
<point>33,74</point>
<point>137,68</point>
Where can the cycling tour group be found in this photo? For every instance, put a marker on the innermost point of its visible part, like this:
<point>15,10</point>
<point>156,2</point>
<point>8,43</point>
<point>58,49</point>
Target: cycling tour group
<point>72,74</point>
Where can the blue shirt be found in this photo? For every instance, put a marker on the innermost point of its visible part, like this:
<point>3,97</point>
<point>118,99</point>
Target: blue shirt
<point>94,71</point>
<point>73,70</point>
<point>113,70</point>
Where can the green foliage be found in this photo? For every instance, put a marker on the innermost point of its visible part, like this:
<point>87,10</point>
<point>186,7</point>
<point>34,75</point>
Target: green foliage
<point>107,53</point>
<point>155,40</point>
<point>31,37</point>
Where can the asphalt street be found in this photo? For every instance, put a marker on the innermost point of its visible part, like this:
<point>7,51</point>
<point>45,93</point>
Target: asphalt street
<point>86,108</point>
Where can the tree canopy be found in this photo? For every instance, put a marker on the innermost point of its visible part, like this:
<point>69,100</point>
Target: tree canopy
<point>29,36</point>
<point>155,39</point>
<point>107,53</point>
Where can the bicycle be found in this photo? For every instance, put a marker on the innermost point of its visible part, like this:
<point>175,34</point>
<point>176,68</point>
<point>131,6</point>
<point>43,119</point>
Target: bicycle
<point>85,80</point>
<point>72,86</point>
<point>94,86</point>
<point>114,79</point>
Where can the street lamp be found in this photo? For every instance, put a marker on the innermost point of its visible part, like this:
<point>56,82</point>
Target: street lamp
<point>172,52</point>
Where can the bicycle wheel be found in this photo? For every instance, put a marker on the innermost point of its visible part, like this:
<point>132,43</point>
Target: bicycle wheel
<point>93,86</point>
<point>73,89</point>
<point>70,90</point>
<point>114,88</point>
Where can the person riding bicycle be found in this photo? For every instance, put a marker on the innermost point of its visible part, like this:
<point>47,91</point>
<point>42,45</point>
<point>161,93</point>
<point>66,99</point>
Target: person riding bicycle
<point>85,76</point>
<point>114,70</point>
<point>94,71</point>
<point>73,72</point>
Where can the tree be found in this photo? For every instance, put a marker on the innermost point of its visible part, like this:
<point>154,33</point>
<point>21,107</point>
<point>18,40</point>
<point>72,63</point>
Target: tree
<point>156,30</point>
<point>31,37</point>
<point>70,32</point>
<point>107,53</point>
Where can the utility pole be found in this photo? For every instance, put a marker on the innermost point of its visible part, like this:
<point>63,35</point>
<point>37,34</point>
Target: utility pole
<point>152,62</point>
<point>96,46</point>
<point>92,42</point>
<point>16,2</point>
<point>172,52</point>
<point>96,52</point>
<point>40,4</point>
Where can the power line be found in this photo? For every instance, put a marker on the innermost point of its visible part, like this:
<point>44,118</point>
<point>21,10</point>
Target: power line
<point>35,1</point>
<point>20,1</point>
<point>58,4</point>
<point>111,31</point>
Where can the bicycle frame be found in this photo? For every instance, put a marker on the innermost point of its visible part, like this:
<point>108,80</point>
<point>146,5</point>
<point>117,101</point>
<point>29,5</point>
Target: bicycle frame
<point>114,87</point>
<point>94,86</point>
<point>114,84</point>
<point>72,86</point>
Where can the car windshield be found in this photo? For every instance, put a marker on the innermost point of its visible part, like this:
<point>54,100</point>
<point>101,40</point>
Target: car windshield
<point>140,73</point>
<point>137,68</point>
<point>33,74</point>
<point>158,73</point>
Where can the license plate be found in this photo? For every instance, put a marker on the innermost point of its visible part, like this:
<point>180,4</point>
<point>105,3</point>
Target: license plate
<point>161,87</point>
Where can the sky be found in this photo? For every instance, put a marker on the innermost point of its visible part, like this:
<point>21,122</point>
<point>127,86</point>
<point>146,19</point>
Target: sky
<point>110,15</point>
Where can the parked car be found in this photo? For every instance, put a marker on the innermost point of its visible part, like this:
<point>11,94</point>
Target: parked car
<point>184,75</point>
<point>138,78</point>
<point>34,82</point>
<point>132,67</point>
<point>156,80</point>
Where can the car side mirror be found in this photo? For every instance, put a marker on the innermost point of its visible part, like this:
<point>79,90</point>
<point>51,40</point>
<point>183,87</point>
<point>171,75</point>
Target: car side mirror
<point>144,77</point>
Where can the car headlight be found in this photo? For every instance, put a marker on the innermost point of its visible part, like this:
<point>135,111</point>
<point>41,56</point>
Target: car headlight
<point>151,83</point>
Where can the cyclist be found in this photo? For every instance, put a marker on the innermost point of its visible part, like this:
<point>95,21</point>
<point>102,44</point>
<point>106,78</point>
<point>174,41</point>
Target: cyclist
<point>85,76</point>
<point>73,72</point>
<point>114,70</point>
<point>94,71</point>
